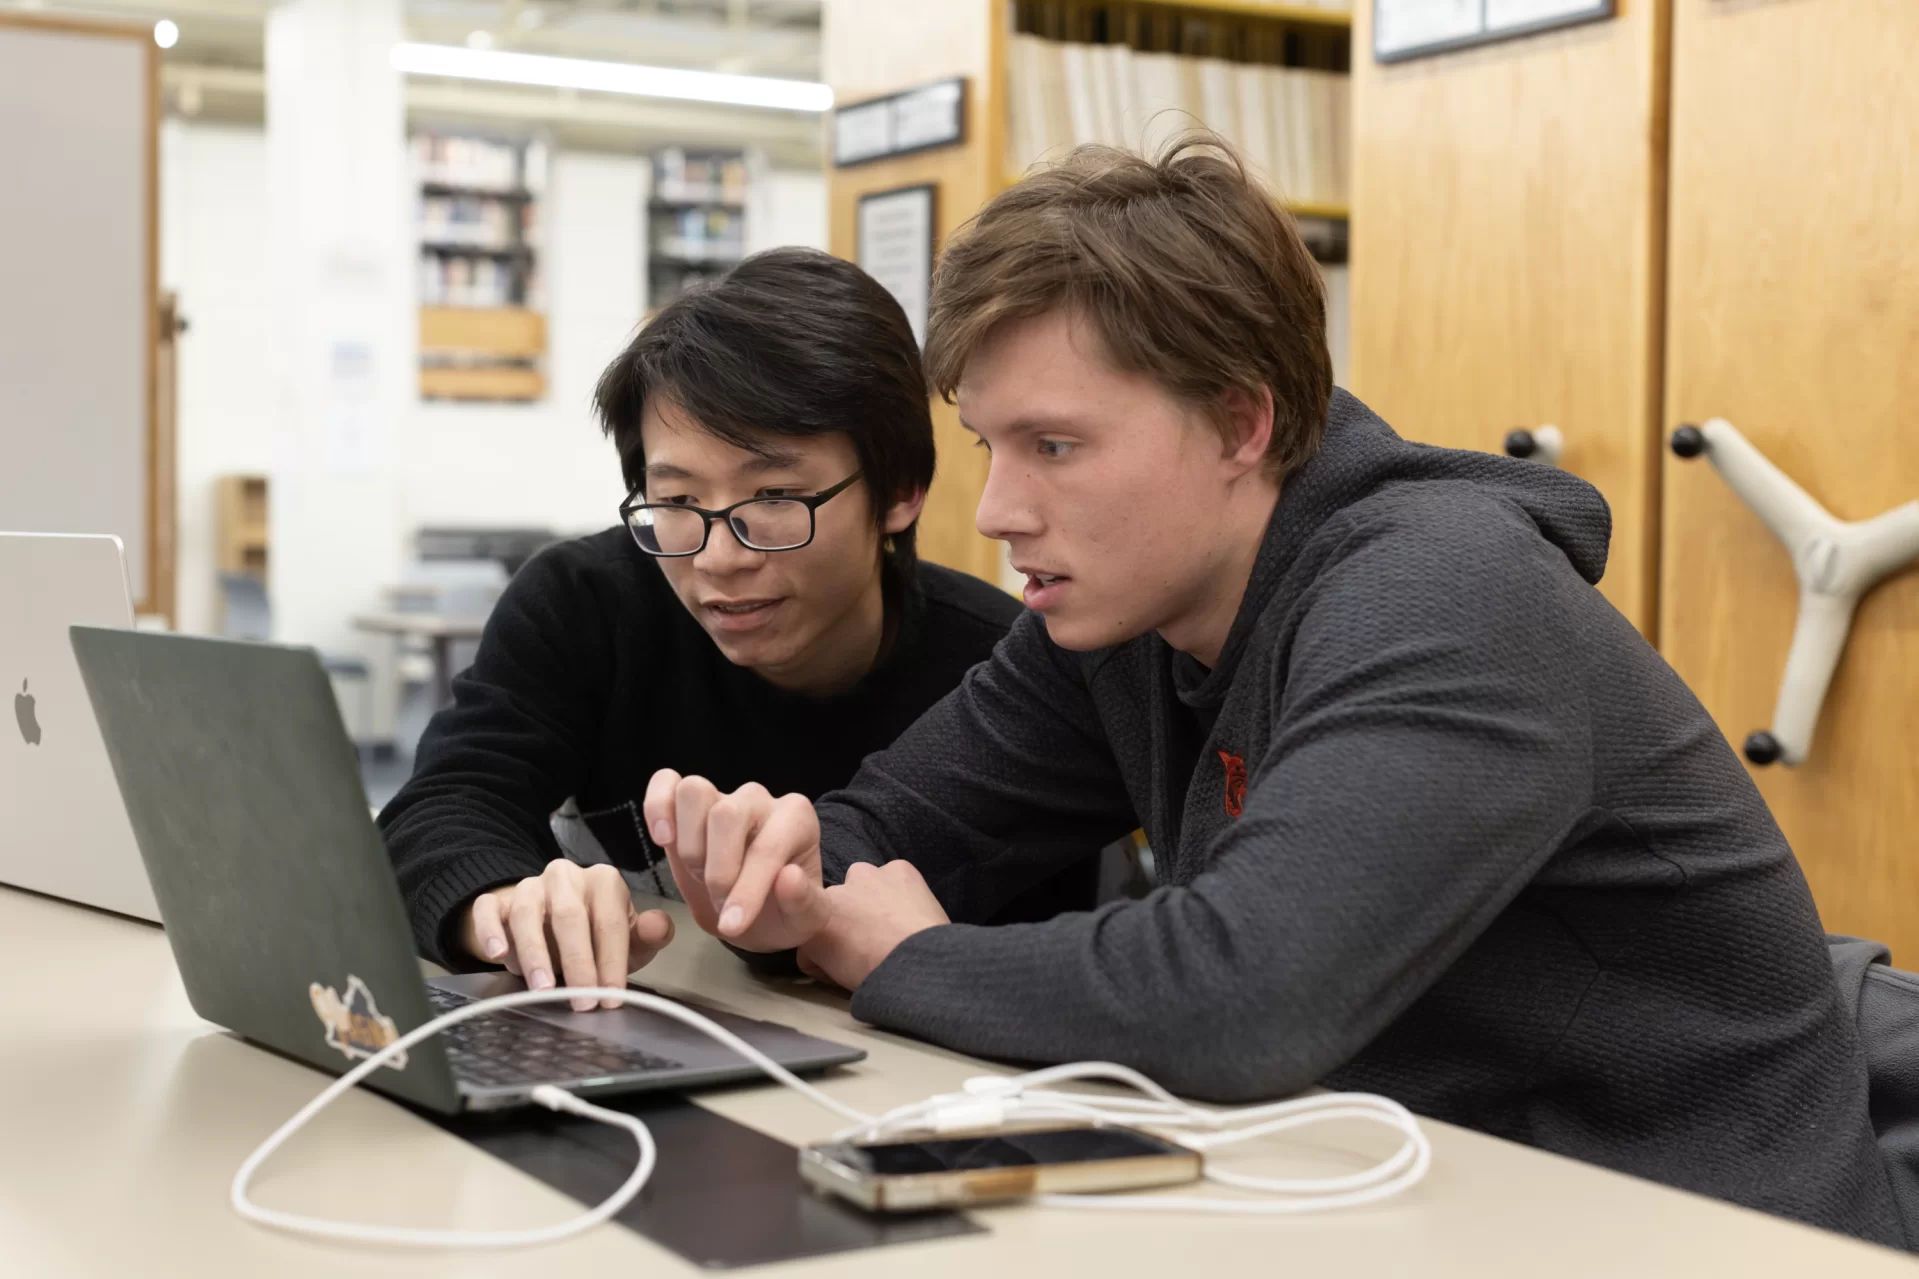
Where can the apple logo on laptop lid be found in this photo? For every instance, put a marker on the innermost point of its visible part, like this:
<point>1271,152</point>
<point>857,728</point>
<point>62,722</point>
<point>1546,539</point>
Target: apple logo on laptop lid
<point>23,712</point>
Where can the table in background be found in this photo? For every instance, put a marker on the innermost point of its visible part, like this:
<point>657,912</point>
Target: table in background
<point>441,632</point>
<point>125,1115</point>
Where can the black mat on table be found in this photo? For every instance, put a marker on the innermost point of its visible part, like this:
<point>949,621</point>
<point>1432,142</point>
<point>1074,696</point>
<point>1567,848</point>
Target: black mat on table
<point>721,1195</point>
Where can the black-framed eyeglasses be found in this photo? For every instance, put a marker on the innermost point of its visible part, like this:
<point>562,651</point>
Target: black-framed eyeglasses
<point>667,529</point>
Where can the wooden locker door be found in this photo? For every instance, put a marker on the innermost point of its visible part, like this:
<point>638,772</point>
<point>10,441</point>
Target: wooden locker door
<point>1506,243</point>
<point>1794,314</point>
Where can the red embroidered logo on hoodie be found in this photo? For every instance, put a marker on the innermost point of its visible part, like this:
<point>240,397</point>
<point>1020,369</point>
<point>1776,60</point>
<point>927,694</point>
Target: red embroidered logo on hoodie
<point>1235,782</point>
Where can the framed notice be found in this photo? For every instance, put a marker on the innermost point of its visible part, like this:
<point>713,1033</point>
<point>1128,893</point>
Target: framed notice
<point>1404,29</point>
<point>894,245</point>
<point>915,120</point>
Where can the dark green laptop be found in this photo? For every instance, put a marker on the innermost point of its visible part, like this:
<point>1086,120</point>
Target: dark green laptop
<point>282,909</point>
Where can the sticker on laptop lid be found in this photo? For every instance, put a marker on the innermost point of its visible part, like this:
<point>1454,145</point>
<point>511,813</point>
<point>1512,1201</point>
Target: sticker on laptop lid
<point>354,1023</point>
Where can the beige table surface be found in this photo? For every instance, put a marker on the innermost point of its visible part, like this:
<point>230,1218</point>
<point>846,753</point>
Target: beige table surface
<point>123,1116</point>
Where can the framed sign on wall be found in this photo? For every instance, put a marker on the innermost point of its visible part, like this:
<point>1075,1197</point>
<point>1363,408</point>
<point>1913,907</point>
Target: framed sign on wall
<point>895,231</point>
<point>905,123</point>
<point>1405,29</point>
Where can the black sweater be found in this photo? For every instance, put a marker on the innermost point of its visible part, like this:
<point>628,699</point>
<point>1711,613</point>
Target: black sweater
<point>592,675</point>
<point>1440,824</point>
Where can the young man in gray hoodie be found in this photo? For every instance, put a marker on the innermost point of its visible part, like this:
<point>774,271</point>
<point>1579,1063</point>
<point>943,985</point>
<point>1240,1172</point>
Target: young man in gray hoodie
<point>1430,818</point>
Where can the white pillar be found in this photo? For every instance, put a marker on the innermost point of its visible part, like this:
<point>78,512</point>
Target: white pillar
<point>344,338</point>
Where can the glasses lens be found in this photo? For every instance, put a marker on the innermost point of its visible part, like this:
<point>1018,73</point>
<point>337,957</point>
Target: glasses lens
<point>663,530</point>
<point>773,525</point>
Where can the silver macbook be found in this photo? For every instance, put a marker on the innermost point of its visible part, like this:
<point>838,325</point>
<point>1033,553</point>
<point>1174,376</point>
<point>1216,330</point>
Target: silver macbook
<point>63,828</point>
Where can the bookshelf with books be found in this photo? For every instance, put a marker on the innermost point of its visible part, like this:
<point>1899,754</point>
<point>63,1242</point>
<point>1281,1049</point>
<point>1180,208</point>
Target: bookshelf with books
<point>1272,79</point>
<point>695,219</point>
<point>482,328</point>
<point>1016,114</point>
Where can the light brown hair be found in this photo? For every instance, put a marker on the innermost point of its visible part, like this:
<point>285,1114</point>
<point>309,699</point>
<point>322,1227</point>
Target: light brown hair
<point>1185,268</point>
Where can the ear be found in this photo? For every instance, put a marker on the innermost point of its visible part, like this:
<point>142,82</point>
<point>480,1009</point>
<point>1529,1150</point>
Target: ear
<point>1249,428</point>
<point>901,514</point>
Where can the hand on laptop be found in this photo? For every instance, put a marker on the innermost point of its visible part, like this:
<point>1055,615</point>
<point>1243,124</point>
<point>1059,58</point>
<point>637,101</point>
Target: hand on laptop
<point>582,914</point>
<point>747,864</point>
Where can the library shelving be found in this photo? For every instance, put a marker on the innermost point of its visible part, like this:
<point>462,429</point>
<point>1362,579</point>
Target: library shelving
<point>1272,79</point>
<point>695,219</point>
<point>482,327</point>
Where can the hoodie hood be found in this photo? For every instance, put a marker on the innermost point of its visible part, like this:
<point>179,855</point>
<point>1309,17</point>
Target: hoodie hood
<point>1362,456</point>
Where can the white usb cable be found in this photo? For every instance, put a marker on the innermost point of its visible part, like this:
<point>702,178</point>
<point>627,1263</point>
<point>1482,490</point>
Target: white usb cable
<point>986,1102</point>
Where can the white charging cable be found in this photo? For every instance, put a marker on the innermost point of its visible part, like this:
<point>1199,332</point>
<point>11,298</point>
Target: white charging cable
<point>546,1095</point>
<point>991,1101</point>
<point>987,1102</point>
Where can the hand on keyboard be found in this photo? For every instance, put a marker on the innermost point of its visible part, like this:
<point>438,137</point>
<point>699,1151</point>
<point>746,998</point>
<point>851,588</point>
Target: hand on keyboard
<point>581,914</point>
<point>504,1049</point>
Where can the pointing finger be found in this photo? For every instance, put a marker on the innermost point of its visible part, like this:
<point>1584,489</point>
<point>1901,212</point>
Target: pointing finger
<point>789,832</point>
<point>658,806</point>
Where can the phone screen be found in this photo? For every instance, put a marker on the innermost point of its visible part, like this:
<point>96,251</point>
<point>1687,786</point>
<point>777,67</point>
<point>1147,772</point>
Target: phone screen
<point>1012,1150</point>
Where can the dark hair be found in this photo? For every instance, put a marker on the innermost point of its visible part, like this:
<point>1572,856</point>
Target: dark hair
<point>1187,270</point>
<point>790,342</point>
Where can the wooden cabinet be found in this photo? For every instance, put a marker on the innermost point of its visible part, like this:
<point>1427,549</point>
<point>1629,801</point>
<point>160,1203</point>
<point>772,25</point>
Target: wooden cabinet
<point>482,353</point>
<point>240,517</point>
<point>1506,249</point>
<point>1794,313</point>
<point>1530,245</point>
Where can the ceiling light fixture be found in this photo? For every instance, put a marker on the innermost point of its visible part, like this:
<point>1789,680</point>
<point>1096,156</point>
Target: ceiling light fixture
<point>166,33</point>
<point>612,77</point>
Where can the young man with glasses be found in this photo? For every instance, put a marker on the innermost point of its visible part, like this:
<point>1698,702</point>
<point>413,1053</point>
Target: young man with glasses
<point>759,616</point>
<point>1430,817</point>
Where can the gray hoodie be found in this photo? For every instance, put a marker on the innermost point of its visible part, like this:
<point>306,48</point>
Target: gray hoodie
<point>1440,824</point>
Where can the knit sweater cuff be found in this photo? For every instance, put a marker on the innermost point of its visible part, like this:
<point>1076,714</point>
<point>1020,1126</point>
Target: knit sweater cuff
<point>911,990</point>
<point>439,903</point>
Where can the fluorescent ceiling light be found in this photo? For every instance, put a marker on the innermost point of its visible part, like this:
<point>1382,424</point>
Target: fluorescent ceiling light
<point>166,33</point>
<point>611,77</point>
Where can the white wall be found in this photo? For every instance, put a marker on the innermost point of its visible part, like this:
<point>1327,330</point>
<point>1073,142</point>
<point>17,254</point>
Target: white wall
<point>75,319</point>
<point>213,251</point>
<point>870,47</point>
<point>542,464</point>
<point>546,464</point>
<point>343,265</point>
<point>786,206</point>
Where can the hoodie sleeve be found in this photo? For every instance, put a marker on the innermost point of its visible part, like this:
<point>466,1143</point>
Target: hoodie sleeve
<point>494,765</point>
<point>1005,782</point>
<point>1427,755</point>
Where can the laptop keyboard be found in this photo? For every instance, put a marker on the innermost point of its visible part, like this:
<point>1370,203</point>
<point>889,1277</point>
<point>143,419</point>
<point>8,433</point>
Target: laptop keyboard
<point>507,1050</point>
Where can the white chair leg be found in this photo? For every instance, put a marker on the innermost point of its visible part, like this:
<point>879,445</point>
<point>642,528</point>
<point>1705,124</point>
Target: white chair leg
<point>1818,638</point>
<point>1837,562</point>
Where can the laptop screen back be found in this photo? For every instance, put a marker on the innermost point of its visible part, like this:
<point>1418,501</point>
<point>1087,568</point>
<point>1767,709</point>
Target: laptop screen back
<point>245,795</point>
<point>63,830</point>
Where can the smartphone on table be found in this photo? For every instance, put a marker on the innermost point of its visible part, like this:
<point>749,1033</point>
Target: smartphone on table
<point>956,1170</point>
